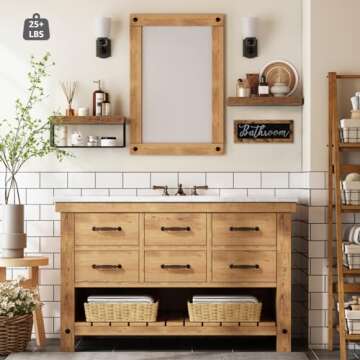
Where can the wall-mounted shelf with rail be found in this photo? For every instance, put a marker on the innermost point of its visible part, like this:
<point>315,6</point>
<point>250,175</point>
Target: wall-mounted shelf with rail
<point>88,120</point>
<point>265,101</point>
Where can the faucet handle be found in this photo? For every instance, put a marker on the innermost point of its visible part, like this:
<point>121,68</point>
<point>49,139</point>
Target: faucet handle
<point>162,187</point>
<point>180,191</point>
<point>195,188</point>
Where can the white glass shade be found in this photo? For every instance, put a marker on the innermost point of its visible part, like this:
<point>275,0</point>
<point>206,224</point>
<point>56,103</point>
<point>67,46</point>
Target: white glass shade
<point>103,27</point>
<point>249,25</point>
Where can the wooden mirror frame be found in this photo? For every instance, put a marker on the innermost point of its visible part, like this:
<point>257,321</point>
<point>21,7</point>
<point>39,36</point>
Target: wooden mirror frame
<point>137,22</point>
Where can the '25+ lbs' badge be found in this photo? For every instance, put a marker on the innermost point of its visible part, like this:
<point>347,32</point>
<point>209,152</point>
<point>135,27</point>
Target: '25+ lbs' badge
<point>36,28</point>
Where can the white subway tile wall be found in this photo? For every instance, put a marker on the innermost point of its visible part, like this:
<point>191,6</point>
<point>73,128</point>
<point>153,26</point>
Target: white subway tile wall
<point>137,180</point>
<point>109,180</point>
<point>309,239</point>
<point>54,180</point>
<point>81,180</point>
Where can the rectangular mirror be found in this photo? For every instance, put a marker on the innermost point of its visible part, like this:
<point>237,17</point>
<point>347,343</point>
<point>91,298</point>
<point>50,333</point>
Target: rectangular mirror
<point>177,84</point>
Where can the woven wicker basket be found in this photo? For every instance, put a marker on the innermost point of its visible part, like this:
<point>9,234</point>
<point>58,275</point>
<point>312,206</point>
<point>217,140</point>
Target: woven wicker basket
<point>129,312</point>
<point>15,333</point>
<point>244,312</point>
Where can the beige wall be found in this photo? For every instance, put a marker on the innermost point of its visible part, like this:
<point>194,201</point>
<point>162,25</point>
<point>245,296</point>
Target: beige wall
<point>72,45</point>
<point>330,44</point>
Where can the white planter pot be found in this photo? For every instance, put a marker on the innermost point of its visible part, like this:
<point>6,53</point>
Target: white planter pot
<point>13,238</point>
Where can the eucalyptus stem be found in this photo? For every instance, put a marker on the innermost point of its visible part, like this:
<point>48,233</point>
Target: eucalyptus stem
<point>26,136</point>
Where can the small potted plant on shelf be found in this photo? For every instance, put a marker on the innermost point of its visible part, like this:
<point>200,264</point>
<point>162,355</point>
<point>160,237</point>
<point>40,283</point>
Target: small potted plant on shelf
<point>23,138</point>
<point>16,320</point>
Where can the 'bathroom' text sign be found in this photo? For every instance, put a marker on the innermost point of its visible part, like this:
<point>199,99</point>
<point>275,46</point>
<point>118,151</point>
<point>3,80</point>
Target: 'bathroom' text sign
<point>264,131</point>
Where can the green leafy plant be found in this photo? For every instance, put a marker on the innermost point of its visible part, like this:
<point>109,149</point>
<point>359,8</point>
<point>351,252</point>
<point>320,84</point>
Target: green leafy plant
<point>26,136</point>
<point>16,300</point>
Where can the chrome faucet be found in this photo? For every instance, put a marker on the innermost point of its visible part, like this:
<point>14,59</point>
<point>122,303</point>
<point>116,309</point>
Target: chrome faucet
<point>165,188</point>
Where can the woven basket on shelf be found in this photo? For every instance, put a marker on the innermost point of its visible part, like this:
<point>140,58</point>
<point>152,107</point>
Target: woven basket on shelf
<point>216,312</point>
<point>15,333</point>
<point>129,312</point>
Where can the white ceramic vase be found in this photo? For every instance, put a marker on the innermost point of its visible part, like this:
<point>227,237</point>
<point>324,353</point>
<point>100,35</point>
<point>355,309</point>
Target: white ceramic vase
<point>13,238</point>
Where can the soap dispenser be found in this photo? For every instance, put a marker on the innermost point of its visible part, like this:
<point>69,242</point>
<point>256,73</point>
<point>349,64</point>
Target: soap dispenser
<point>99,97</point>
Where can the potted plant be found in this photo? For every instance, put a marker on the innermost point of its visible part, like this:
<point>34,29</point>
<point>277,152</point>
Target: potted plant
<point>21,139</point>
<point>16,320</point>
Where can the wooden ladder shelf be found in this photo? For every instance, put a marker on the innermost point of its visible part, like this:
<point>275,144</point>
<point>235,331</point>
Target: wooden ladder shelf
<point>337,170</point>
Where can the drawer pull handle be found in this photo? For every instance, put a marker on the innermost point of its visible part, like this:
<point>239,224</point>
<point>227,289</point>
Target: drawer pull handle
<point>106,228</point>
<point>176,228</point>
<point>106,267</point>
<point>244,266</point>
<point>174,266</point>
<point>244,228</point>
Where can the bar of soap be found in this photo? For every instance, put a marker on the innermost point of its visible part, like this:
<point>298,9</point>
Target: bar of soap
<point>352,177</point>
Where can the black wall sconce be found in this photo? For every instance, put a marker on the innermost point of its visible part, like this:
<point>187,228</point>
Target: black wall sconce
<point>103,42</point>
<point>250,43</point>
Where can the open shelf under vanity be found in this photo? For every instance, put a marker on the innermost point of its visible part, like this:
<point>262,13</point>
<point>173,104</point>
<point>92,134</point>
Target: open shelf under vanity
<point>173,319</point>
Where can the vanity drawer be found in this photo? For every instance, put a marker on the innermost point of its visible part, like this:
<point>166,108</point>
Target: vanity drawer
<point>106,266</point>
<point>106,229</point>
<point>244,229</point>
<point>249,266</point>
<point>175,266</point>
<point>175,229</point>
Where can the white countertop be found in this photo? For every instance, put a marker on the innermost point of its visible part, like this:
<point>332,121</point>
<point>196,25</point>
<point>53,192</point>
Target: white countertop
<point>173,199</point>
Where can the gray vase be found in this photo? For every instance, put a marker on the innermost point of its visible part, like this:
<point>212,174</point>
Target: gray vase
<point>13,238</point>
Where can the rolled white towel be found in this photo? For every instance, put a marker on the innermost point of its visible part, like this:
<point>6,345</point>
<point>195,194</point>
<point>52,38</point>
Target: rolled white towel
<point>356,235</point>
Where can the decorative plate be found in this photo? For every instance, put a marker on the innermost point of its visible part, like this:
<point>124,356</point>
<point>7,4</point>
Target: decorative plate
<point>281,71</point>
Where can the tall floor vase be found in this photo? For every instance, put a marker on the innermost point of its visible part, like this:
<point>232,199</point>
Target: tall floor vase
<point>13,238</point>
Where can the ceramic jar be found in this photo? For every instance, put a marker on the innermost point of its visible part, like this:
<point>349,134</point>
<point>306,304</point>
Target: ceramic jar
<point>280,89</point>
<point>77,138</point>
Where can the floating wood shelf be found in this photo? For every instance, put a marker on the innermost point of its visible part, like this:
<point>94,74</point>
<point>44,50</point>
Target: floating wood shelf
<point>265,101</point>
<point>88,120</point>
<point>175,326</point>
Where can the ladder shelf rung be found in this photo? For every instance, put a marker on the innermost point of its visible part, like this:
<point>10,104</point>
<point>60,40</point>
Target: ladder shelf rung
<point>349,146</point>
<point>351,272</point>
<point>348,288</point>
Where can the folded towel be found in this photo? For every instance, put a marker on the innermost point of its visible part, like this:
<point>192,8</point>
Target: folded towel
<point>198,299</point>
<point>114,299</point>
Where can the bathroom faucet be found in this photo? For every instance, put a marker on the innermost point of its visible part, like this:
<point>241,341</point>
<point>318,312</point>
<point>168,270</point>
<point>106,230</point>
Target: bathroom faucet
<point>180,191</point>
<point>165,188</point>
<point>195,188</point>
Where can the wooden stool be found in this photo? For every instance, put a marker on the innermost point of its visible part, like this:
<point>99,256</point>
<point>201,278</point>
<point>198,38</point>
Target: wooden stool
<point>32,282</point>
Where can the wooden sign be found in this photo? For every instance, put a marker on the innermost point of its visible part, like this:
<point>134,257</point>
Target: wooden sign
<point>278,131</point>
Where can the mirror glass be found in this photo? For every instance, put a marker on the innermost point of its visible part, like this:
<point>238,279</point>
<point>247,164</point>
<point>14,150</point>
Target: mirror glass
<point>177,84</point>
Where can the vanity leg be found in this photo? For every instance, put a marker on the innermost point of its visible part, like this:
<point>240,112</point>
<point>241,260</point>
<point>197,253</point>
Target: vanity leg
<point>283,290</point>
<point>67,338</point>
<point>2,274</point>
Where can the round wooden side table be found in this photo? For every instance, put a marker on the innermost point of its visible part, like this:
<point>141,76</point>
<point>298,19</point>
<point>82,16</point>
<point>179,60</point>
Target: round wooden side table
<point>32,282</point>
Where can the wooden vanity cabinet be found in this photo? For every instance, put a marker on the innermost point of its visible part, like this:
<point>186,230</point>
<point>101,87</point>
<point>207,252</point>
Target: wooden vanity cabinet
<point>176,245</point>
